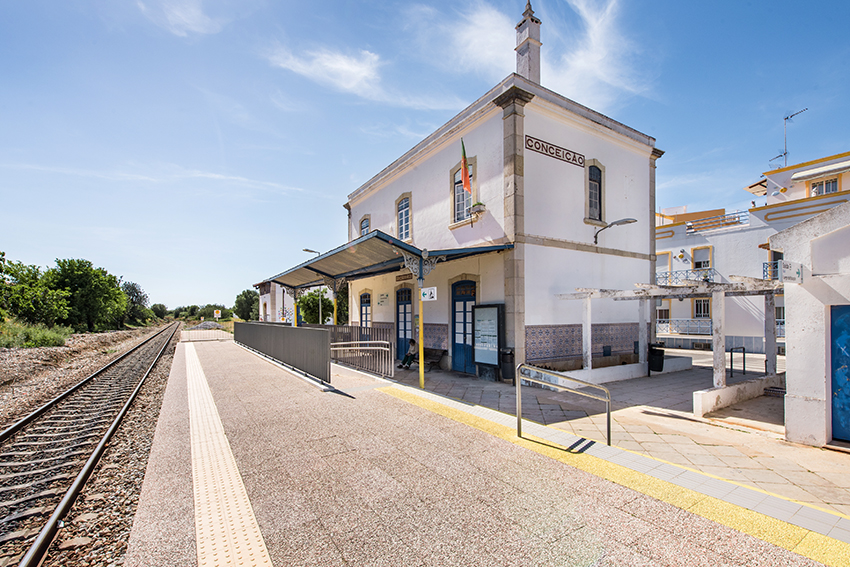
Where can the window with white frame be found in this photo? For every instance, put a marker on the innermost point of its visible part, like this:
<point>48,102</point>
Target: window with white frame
<point>594,192</point>
<point>702,309</point>
<point>824,187</point>
<point>462,197</point>
<point>780,312</point>
<point>702,258</point>
<point>404,218</point>
<point>364,226</point>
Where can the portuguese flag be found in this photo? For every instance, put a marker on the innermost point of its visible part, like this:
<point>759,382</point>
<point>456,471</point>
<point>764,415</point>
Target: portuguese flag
<point>464,166</point>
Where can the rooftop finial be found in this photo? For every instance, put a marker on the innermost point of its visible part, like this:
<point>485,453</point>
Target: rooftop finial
<point>528,45</point>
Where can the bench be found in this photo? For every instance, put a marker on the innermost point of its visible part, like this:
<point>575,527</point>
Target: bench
<point>432,356</point>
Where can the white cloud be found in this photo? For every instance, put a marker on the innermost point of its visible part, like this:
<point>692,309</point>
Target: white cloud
<point>168,173</point>
<point>593,63</point>
<point>600,65</point>
<point>350,73</point>
<point>181,17</point>
<point>478,40</point>
<point>356,74</point>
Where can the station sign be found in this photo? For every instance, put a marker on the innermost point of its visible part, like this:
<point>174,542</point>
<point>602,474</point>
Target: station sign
<point>428,293</point>
<point>790,272</point>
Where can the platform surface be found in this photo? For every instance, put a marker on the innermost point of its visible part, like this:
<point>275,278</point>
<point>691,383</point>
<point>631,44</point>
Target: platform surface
<point>376,473</point>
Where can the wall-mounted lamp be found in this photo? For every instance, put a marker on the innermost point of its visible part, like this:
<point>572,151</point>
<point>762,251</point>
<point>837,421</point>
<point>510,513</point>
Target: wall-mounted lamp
<point>609,225</point>
<point>681,254</point>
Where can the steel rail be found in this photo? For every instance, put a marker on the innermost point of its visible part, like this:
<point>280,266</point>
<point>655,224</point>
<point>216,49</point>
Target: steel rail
<point>17,426</point>
<point>38,551</point>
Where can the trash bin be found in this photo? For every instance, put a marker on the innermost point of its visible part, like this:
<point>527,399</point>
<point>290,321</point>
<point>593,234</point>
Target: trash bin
<point>656,358</point>
<point>507,367</point>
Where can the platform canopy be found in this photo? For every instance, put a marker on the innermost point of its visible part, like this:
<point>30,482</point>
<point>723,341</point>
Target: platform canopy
<point>370,255</point>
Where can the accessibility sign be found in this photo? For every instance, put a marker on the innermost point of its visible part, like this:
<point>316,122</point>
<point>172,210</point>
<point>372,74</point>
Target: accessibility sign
<point>429,293</point>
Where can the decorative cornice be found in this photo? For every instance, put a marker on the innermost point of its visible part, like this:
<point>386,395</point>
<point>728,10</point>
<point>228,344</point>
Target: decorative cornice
<point>513,95</point>
<point>293,292</point>
<point>656,153</point>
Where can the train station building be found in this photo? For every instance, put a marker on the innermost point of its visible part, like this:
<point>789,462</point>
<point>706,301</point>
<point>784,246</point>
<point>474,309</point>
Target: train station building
<point>558,197</point>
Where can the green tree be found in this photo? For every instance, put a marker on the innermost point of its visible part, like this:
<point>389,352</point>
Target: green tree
<point>25,294</point>
<point>95,298</point>
<point>308,306</point>
<point>247,305</point>
<point>159,310</point>
<point>208,311</point>
<point>137,302</point>
<point>192,310</point>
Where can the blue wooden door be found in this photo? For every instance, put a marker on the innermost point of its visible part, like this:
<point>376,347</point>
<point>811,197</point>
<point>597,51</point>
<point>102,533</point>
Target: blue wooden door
<point>463,298</point>
<point>840,342</point>
<point>404,321</point>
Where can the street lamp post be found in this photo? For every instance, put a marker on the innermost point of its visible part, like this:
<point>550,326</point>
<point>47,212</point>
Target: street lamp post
<point>609,225</point>
<point>320,287</point>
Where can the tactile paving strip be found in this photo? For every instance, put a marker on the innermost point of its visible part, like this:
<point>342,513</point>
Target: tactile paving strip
<point>225,527</point>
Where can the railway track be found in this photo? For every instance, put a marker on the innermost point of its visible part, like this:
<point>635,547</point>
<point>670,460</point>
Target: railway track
<point>47,457</point>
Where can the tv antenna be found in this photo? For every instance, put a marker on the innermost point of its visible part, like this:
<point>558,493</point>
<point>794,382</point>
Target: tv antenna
<point>787,119</point>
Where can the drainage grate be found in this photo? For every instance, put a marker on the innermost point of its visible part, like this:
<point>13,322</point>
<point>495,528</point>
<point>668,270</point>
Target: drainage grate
<point>774,392</point>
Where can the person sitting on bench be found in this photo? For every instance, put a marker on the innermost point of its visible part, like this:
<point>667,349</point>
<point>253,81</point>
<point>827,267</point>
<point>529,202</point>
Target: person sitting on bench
<point>408,358</point>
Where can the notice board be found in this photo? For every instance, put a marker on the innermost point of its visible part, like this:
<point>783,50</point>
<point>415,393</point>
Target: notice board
<point>488,334</point>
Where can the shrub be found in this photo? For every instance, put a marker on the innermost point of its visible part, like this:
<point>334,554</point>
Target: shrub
<point>15,334</point>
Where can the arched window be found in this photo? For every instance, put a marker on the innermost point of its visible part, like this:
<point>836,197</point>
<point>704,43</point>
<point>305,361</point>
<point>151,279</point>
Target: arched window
<point>364,227</point>
<point>365,309</point>
<point>594,193</point>
<point>404,218</point>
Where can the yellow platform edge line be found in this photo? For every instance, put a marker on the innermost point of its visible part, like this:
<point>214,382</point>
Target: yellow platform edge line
<point>812,545</point>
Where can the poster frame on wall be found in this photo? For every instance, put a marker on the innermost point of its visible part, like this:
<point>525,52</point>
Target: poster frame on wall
<point>486,318</point>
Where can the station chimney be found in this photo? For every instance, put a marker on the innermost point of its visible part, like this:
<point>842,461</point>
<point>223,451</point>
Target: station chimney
<point>528,45</point>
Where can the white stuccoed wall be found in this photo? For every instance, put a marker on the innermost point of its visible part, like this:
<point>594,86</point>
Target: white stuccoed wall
<point>826,238</point>
<point>428,179</point>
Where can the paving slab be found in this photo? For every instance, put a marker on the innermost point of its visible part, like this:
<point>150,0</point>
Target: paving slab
<point>385,474</point>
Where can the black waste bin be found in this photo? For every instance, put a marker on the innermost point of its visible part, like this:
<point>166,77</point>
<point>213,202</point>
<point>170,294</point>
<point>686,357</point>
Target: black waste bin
<point>656,358</point>
<point>507,365</point>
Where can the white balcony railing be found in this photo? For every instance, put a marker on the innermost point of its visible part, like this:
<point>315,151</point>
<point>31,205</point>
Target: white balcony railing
<point>683,327</point>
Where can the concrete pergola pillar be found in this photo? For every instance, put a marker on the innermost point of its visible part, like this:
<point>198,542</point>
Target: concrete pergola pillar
<point>642,333</point>
<point>718,343</point>
<point>769,334</point>
<point>586,358</point>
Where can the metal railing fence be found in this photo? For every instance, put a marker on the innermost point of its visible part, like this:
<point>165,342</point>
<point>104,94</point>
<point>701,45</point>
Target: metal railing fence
<point>720,221</point>
<point>523,372</point>
<point>371,356</point>
<point>683,326</point>
<point>376,357</point>
<point>305,349</point>
<point>679,277</point>
<point>770,270</point>
<point>732,359</point>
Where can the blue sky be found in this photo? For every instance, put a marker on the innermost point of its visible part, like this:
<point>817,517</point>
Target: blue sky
<point>196,147</point>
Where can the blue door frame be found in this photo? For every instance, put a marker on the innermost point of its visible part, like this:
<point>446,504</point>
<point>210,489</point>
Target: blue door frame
<point>463,298</point>
<point>404,320</point>
<point>840,348</point>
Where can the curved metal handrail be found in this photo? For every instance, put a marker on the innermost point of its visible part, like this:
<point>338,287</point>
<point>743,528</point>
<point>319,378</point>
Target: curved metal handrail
<point>558,376</point>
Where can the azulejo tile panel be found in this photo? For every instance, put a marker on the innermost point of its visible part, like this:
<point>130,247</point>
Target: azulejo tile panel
<point>551,342</point>
<point>436,335</point>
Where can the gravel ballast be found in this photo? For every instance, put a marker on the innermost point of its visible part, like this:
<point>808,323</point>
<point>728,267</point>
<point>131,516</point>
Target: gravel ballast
<point>97,529</point>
